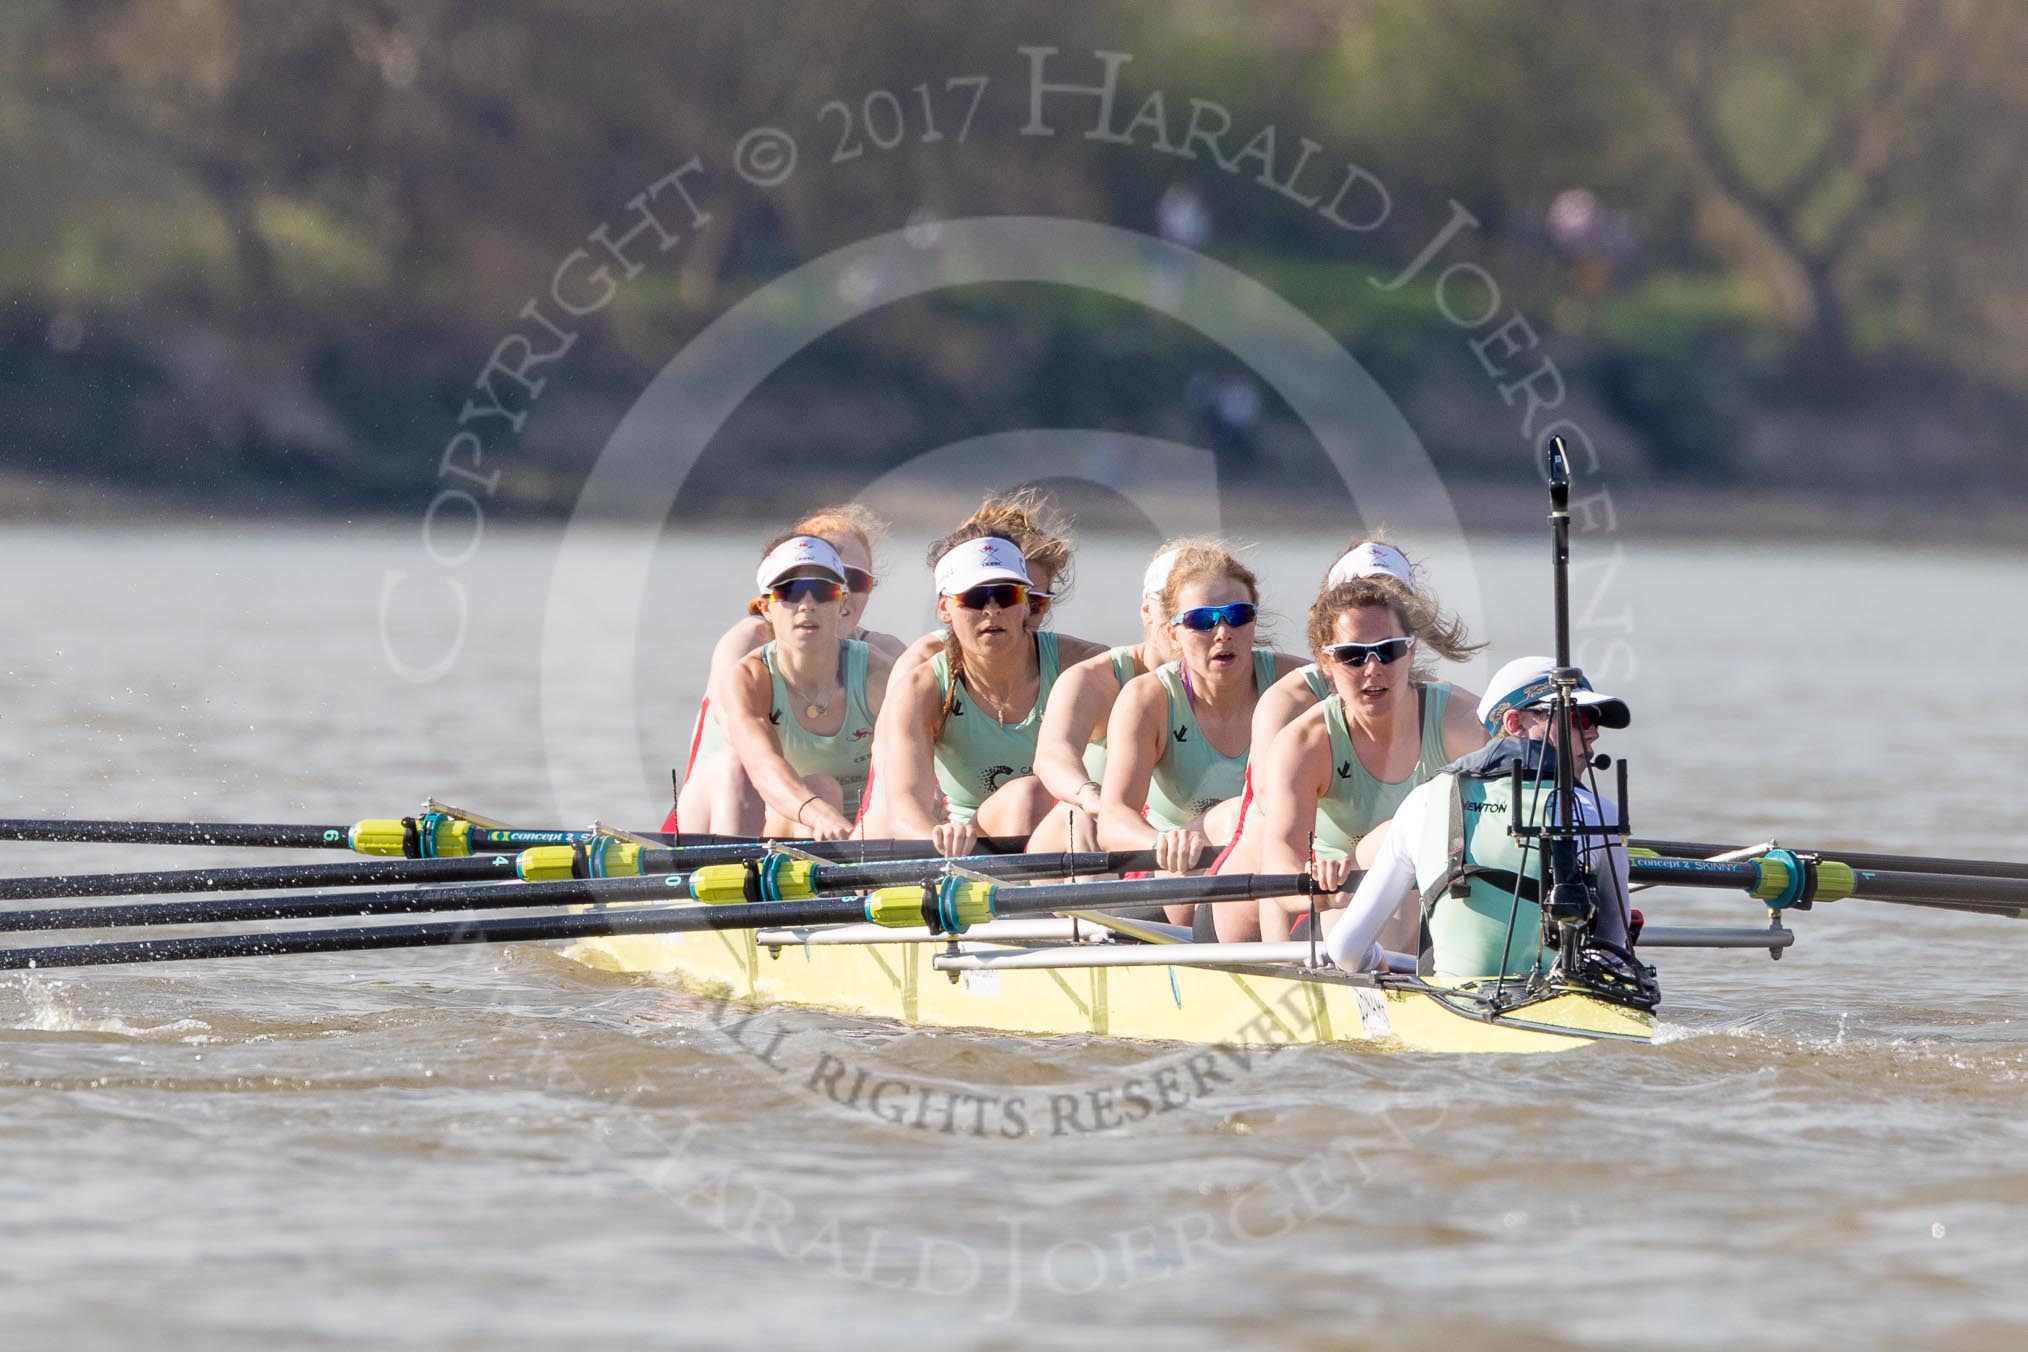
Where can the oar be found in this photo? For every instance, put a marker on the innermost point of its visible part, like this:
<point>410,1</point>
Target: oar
<point>782,878</point>
<point>1784,880</point>
<point>1917,863</point>
<point>436,835</point>
<point>604,857</point>
<point>951,905</point>
<point>359,874</point>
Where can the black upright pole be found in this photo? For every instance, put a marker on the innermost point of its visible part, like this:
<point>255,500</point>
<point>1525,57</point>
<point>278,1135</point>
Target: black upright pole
<point>1569,909</point>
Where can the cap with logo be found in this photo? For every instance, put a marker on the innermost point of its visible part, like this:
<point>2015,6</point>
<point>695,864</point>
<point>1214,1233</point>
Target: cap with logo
<point>800,556</point>
<point>1526,683</point>
<point>976,562</point>
<point>1371,559</point>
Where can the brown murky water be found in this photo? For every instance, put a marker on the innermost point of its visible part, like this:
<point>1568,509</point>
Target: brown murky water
<point>502,1148</point>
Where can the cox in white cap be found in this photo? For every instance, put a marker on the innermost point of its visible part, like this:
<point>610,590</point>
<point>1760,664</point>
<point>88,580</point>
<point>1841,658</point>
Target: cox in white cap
<point>800,556</point>
<point>1371,559</point>
<point>977,562</point>
<point>1526,683</point>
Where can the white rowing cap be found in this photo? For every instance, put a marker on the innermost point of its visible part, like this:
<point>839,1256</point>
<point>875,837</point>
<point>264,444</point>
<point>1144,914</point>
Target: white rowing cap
<point>1156,580</point>
<point>1525,683</point>
<point>1371,559</point>
<point>976,562</point>
<point>800,556</point>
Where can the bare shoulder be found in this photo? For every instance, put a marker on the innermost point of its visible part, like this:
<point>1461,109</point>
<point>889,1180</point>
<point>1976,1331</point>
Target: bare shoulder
<point>879,670</point>
<point>912,682</point>
<point>1287,697</point>
<point>742,638</point>
<point>1287,665</point>
<point>1308,731</point>
<point>1071,650</point>
<point>918,653</point>
<point>889,646</point>
<point>748,684</point>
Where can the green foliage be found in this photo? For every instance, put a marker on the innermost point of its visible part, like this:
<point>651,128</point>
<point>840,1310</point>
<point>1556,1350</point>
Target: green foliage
<point>1807,188</point>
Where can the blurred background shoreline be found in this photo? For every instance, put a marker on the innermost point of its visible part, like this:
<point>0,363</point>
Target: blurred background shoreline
<point>261,268</point>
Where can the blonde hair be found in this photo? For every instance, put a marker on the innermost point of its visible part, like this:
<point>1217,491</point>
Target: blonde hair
<point>844,518</point>
<point>1418,615</point>
<point>1025,518</point>
<point>1201,560</point>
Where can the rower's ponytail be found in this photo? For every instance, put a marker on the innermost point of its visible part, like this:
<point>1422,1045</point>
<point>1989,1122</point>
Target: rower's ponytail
<point>954,663</point>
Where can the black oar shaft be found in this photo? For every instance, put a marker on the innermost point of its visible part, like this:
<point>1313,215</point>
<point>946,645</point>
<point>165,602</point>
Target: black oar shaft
<point>480,897</point>
<point>2003,896</point>
<point>284,835</point>
<point>1918,863</point>
<point>388,901</point>
<point>361,874</point>
<point>1017,901</point>
<point>483,897</point>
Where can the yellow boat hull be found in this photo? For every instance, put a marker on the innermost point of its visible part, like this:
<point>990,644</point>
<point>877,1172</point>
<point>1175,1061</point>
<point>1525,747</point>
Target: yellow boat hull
<point>1179,1004</point>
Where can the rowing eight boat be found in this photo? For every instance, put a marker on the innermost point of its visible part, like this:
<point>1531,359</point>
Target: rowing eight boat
<point>1076,977</point>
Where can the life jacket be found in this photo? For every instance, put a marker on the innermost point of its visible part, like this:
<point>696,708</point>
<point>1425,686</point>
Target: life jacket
<point>1481,887</point>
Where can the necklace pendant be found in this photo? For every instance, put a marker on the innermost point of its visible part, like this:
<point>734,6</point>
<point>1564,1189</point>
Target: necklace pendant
<point>812,711</point>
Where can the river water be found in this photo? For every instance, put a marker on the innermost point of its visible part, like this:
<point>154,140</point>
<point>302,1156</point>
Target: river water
<point>501,1148</point>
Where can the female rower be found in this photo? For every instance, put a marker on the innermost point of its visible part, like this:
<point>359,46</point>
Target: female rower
<point>965,721</point>
<point>1304,688</point>
<point>1042,537</point>
<point>716,794</point>
<point>798,715</point>
<point>1340,769</point>
<point>1178,737</point>
<point>1070,750</point>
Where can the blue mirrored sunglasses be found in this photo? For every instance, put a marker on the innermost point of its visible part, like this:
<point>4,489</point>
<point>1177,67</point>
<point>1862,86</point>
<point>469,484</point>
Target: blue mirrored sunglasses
<point>1204,619</point>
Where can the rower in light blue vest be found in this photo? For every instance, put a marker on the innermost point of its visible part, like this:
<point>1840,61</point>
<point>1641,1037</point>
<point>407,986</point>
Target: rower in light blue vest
<point>1451,844</point>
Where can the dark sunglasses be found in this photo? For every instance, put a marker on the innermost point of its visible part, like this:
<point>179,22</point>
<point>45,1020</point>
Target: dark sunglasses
<point>1587,719</point>
<point>816,589</point>
<point>858,579</point>
<point>1204,619</point>
<point>1038,601</point>
<point>1388,650</point>
<point>1005,595</point>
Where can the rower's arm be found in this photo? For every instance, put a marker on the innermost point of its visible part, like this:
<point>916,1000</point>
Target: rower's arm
<point>889,646</point>
<point>1351,937</point>
<point>1072,651</point>
<point>1077,709</point>
<point>1287,784</point>
<point>746,696</point>
<point>1278,707</point>
<point>903,751</point>
<point>1286,665</point>
<point>1463,733</point>
<point>732,647</point>
<point>879,674</point>
<point>1134,736</point>
<point>917,653</point>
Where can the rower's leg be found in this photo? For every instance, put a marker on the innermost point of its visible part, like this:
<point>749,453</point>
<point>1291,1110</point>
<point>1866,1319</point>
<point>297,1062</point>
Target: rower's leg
<point>719,798</point>
<point>1016,808</point>
<point>1221,822</point>
<point>1064,828</point>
